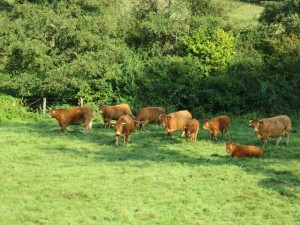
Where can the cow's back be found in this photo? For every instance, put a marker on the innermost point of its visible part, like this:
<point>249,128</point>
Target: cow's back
<point>275,126</point>
<point>116,111</point>
<point>222,122</point>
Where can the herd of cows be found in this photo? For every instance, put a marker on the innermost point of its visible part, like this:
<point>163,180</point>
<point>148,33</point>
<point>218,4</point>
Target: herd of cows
<point>121,117</point>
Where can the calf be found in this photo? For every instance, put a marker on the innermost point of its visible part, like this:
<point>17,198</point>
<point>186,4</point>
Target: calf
<point>73,116</point>
<point>175,121</point>
<point>114,112</point>
<point>192,129</point>
<point>125,125</point>
<point>149,115</point>
<point>215,125</point>
<point>238,151</point>
<point>274,127</point>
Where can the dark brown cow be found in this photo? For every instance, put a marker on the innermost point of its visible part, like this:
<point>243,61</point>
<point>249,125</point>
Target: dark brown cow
<point>124,126</point>
<point>73,116</point>
<point>215,125</point>
<point>238,151</point>
<point>192,129</point>
<point>149,115</point>
<point>274,127</point>
<point>114,112</point>
<point>175,121</point>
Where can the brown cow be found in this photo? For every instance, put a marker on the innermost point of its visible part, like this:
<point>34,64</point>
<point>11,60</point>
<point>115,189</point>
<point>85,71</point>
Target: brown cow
<point>215,125</point>
<point>274,127</point>
<point>149,115</point>
<point>238,151</point>
<point>124,126</point>
<point>192,129</point>
<point>114,112</point>
<point>175,121</point>
<point>73,116</point>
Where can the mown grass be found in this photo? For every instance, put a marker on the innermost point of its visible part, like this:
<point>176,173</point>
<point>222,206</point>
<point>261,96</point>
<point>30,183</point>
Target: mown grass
<point>52,178</point>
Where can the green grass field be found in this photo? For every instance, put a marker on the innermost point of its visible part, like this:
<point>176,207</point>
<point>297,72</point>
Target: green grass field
<point>76,178</point>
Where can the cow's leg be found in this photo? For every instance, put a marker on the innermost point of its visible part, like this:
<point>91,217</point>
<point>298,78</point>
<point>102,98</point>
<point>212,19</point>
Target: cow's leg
<point>117,141</point>
<point>170,135</point>
<point>214,135</point>
<point>88,126</point>
<point>183,133</point>
<point>126,139</point>
<point>287,135</point>
<point>63,128</point>
<point>278,140</point>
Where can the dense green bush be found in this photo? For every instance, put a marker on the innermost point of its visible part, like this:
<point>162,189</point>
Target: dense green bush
<point>13,108</point>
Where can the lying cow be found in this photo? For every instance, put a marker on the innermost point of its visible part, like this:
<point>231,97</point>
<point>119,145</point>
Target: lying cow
<point>215,125</point>
<point>124,126</point>
<point>192,129</point>
<point>113,112</point>
<point>274,127</point>
<point>149,115</point>
<point>238,151</point>
<point>73,116</point>
<point>175,121</point>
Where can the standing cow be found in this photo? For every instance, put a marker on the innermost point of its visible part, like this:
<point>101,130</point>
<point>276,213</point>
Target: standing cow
<point>124,126</point>
<point>238,151</point>
<point>192,129</point>
<point>149,115</point>
<point>217,124</point>
<point>73,116</point>
<point>274,127</point>
<point>175,121</point>
<point>114,112</point>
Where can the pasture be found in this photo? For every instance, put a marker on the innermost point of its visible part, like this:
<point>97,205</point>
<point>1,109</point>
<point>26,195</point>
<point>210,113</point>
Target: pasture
<point>76,178</point>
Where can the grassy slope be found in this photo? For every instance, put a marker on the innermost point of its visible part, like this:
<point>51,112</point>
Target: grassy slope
<point>243,15</point>
<point>49,178</point>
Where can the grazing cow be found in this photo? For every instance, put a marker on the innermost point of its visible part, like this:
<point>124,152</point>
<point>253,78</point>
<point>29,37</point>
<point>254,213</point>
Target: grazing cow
<point>124,126</point>
<point>274,127</point>
<point>114,112</point>
<point>175,121</point>
<point>73,116</point>
<point>149,115</point>
<point>215,125</point>
<point>191,130</point>
<point>238,151</point>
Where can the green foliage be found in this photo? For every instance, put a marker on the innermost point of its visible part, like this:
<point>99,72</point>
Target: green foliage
<point>213,48</point>
<point>13,109</point>
<point>192,54</point>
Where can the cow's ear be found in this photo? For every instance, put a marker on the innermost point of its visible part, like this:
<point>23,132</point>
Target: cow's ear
<point>168,116</point>
<point>261,122</point>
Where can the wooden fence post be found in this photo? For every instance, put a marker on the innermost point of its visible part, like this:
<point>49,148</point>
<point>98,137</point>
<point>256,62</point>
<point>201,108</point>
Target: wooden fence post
<point>81,102</point>
<point>44,105</point>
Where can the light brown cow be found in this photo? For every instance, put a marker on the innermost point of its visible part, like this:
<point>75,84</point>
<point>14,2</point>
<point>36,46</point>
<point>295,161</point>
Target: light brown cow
<point>274,127</point>
<point>73,116</point>
<point>125,125</point>
<point>217,124</point>
<point>175,121</point>
<point>114,112</point>
<point>192,129</point>
<point>238,151</point>
<point>149,115</point>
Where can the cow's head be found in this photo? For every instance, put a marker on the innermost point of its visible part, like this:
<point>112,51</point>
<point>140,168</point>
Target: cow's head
<point>255,124</point>
<point>229,146</point>
<point>206,124</point>
<point>162,120</point>
<point>53,112</point>
<point>101,108</point>
<point>119,129</point>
